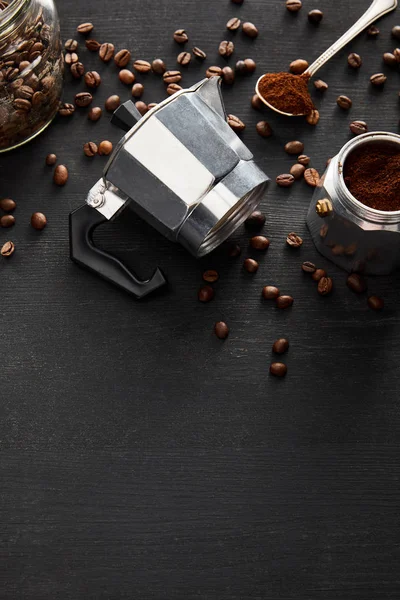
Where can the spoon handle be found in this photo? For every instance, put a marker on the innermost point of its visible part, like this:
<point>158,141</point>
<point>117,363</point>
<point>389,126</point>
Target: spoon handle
<point>377,9</point>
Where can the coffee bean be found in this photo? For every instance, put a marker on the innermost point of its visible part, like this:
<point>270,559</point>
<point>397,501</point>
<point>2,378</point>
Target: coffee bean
<point>93,45</point>
<point>126,77</point>
<point>180,36</point>
<point>390,59</point>
<point>228,75</point>
<point>285,180</point>
<point>199,53</point>
<point>85,28</point>
<point>38,221</point>
<point>378,79</point>
<point>71,45</point>
<point>312,177</point>
<point>83,99</point>
<point>250,30</point>
<point>375,303</point>
<point>264,129</point>
<point>38,99</point>
<point>142,66</point>
<point>137,90</point>
<point>213,71</point>
<point>172,77</point>
<point>294,147</point>
<point>221,330</point>
<point>22,104</point>
<point>226,48</point>
<point>122,58</point>
<point>315,16</point>
<point>7,221</point>
<point>235,123</point>
<point>297,171</point>
<point>60,176</point>
<point>250,65</point>
<point>51,160</point>
<point>206,293</point>
<point>358,127</point>
<point>319,274</point>
<point>294,5</point>
<point>234,250</point>
<point>71,58</point>
<point>240,67</point>
<point>396,32</point>
<point>256,220</point>
<point>184,58</point>
<point>251,265</point>
<point>158,66</point>
<point>308,267</point>
<point>142,107</point>
<point>172,88</point>
<point>66,110</point>
<point>356,283</point>
<point>77,70</point>
<point>90,149</point>
<point>294,240</point>
<point>259,242</point>
<point>354,60</point>
<point>396,54</point>
<point>280,346</point>
<point>344,102</point>
<point>210,276</point>
<point>7,249</point>
<point>24,91</point>
<point>303,159</point>
<point>325,286</point>
<point>270,292</point>
<point>284,302</point>
<point>256,102</point>
<point>105,148</point>
<point>278,369</point>
<point>95,113</point>
<point>112,103</point>
<point>313,117</point>
<point>153,104</point>
<point>233,24</point>
<point>24,64</point>
<point>92,79</point>
<point>320,85</point>
<point>106,52</point>
<point>373,31</point>
<point>297,67</point>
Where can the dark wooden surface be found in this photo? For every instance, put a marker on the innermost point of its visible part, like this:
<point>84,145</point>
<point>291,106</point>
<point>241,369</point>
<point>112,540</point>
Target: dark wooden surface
<point>141,458</point>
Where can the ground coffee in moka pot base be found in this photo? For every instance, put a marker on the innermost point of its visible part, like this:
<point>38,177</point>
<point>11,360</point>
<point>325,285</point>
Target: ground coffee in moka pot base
<point>287,92</point>
<point>372,174</point>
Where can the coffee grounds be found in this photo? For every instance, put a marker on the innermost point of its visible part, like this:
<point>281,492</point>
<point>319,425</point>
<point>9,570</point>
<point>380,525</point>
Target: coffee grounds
<point>286,92</point>
<point>372,174</point>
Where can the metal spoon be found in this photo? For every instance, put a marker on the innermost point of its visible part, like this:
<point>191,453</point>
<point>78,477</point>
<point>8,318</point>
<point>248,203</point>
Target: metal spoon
<point>377,9</point>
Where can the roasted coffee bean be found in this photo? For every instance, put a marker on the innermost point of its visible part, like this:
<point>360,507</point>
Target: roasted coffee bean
<point>172,77</point>
<point>284,302</point>
<point>24,64</point>
<point>256,220</point>
<point>228,75</point>
<point>51,160</point>
<point>318,274</point>
<point>90,149</point>
<point>315,16</point>
<point>303,159</point>
<point>142,107</point>
<point>206,293</point>
<point>66,109</point>
<point>112,103</point>
<point>235,123</point>
<point>233,24</point>
<point>250,30</point>
<point>234,250</point>
<point>22,104</point>
<point>278,369</point>
<point>240,67</point>
<point>38,221</point>
<point>184,58</point>
<point>137,90</point>
<point>256,102</point>
<point>210,276</point>
<point>221,330</point>
<point>172,88</point>
<point>313,117</point>
<point>356,283</point>
<point>294,5</point>
<point>226,48</point>
<point>84,28</point>
<point>325,286</point>
<point>250,65</point>
<point>95,113</point>
<point>77,70</point>
<point>280,346</point>
<point>251,265</point>
<point>297,67</point>
<point>180,36</point>
<point>344,102</point>
<point>354,60</point>
<point>106,52</point>
<point>264,129</point>
<point>259,242</point>
<point>71,58</point>
<point>122,58</point>
<point>60,176</point>
<point>199,53</point>
<point>105,148</point>
<point>396,32</point>
<point>270,292</point>
<point>358,127</point>
<point>158,66</point>
<point>373,31</point>
<point>83,99</point>
<point>375,303</point>
<point>294,147</point>
<point>308,267</point>
<point>213,71</point>
<point>142,66</point>
<point>320,85</point>
<point>7,249</point>
<point>297,171</point>
<point>70,45</point>
<point>7,221</point>
<point>24,91</point>
<point>396,54</point>
<point>312,177</point>
<point>294,240</point>
<point>285,180</point>
<point>390,59</point>
<point>126,77</point>
<point>93,45</point>
<point>378,79</point>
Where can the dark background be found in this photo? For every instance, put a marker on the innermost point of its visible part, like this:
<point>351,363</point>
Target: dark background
<point>143,458</point>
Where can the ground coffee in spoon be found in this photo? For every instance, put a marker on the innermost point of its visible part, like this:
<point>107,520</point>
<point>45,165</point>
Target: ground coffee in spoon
<point>287,92</point>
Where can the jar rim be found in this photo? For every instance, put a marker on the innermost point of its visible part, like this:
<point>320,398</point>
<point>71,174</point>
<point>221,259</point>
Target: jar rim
<point>9,14</point>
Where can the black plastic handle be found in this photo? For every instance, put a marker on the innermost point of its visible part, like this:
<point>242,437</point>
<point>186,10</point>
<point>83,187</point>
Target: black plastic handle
<point>82,223</point>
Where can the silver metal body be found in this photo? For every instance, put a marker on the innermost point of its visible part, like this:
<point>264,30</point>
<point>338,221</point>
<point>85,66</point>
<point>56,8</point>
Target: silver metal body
<point>183,170</point>
<point>354,236</point>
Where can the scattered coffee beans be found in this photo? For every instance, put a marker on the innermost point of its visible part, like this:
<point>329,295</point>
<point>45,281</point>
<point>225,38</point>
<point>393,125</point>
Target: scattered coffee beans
<point>71,45</point>
<point>375,303</point>
<point>95,113</point>
<point>233,24</point>
<point>105,148</point>
<point>294,147</point>
<point>315,16</point>
<point>250,65</point>
<point>285,180</point>
<point>280,346</point>
<point>90,149</point>
<point>390,59</point>
<point>373,31</point>
<point>251,265</point>
<point>284,302</point>
<point>240,67</point>
<point>77,70</point>
<point>92,79</point>
<point>358,127</point>
<point>256,102</point>
<point>293,5</point>
<point>320,85</point>
<point>7,249</point>
<point>396,32</point>
<point>213,71</point>
<point>297,171</point>
<point>60,176</point>
<point>259,242</point>
<point>206,293</point>
<point>313,117</point>
<point>7,205</point>
<point>199,53</point>
<point>137,90</point>
<point>319,274</point>
<point>122,58</point>
<point>378,79</point>
<point>51,160</point>
<point>158,66</point>
<point>356,283</point>
<point>210,276</point>
<point>256,220</point>
<point>344,102</point>
<point>142,107</point>
<point>396,54</point>
<point>173,77</point>
<point>7,221</point>
<point>83,99</point>
<point>38,221</point>
<point>264,129</point>
<point>126,77</point>
<point>112,103</point>
<point>66,109</point>
<point>278,369</point>
<point>270,292</point>
<point>312,177</point>
<point>228,75</point>
<point>308,267</point>
<point>172,89</point>
<point>180,36</point>
<point>70,58</point>
<point>93,45</point>
<point>85,28</point>
<point>354,60</point>
<point>235,123</point>
<point>325,286</point>
<point>250,30</point>
<point>106,52</point>
<point>297,67</point>
<point>221,330</point>
<point>303,159</point>
<point>234,250</point>
<point>294,240</point>
<point>226,48</point>
<point>184,58</point>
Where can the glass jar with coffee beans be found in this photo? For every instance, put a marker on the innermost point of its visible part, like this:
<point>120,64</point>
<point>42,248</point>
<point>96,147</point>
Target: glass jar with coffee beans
<point>31,69</point>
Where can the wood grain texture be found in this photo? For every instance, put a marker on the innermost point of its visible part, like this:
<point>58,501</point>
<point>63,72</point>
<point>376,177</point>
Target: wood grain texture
<point>142,458</point>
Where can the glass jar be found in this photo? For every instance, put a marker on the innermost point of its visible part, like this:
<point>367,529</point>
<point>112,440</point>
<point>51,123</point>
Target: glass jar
<point>31,69</point>
<point>352,235</point>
